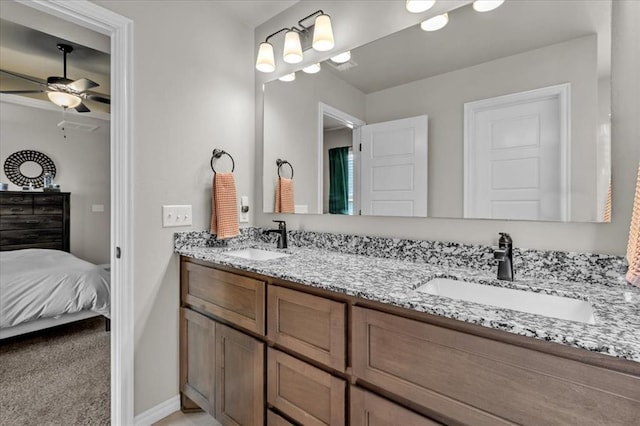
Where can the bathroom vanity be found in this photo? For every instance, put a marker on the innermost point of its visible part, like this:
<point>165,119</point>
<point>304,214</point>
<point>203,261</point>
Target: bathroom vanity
<point>319,337</point>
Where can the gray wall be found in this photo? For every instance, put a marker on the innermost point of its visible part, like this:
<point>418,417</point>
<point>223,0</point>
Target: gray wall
<point>82,168</point>
<point>442,98</point>
<point>193,82</point>
<point>353,26</point>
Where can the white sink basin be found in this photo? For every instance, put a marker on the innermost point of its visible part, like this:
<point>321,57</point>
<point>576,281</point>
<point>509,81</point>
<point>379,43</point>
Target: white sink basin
<point>256,254</point>
<point>518,300</point>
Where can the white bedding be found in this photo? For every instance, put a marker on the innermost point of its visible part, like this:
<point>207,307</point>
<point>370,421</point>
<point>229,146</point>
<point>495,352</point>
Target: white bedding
<point>40,283</point>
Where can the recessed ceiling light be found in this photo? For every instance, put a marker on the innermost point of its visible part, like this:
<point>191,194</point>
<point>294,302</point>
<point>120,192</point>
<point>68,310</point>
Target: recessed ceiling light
<point>342,57</point>
<point>288,77</point>
<point>419,6</point>
<point>435,23</point>
<point>312,69</point>
<point>486,5</point>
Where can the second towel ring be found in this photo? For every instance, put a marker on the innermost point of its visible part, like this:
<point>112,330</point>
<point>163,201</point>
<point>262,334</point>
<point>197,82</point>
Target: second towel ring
<point>217,153</point>
<point>280,163</point>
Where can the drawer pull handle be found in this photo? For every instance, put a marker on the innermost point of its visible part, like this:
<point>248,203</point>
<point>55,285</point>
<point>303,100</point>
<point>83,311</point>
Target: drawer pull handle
<point>48,209</point>
<point>32,222</point>
<point>17,209</point>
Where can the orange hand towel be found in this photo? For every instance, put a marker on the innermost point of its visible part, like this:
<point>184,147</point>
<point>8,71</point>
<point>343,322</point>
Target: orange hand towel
<point>284,196</point>
<point>633,248</point>
<point>224,215</point>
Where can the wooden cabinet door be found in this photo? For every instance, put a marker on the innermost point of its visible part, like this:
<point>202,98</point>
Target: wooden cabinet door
<point>275,420</point>
<point>234,298</point>
<point>368,409</point>
<point>197,358</point>
<point>239,381</point>
<point>309,325</point>
<point>303,392</point>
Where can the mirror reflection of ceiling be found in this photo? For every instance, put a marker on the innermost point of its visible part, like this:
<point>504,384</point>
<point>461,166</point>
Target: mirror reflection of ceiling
<point>33,53</point>
<point>473,38</point>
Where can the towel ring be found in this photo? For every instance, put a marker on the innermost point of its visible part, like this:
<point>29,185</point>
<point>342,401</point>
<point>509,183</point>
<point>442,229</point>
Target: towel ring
<point>217,153</point>
<point>280,163</point>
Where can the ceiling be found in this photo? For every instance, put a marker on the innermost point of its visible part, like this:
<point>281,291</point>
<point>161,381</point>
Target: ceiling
<point>254,13</point>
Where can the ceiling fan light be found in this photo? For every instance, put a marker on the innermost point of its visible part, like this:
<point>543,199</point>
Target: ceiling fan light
<point>288,77</point>
<point>312,69</point>
<point>419,6</point>
<point>342,57</point>
<point>292,53</point>
<point>486,5</point>
<point>65,100</point>
<point>323,34</point>
<point>265,61</point>
<point>436,23</point>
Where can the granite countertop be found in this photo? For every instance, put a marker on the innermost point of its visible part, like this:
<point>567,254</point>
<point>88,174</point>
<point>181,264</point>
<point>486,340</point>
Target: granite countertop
<point>394,281</point>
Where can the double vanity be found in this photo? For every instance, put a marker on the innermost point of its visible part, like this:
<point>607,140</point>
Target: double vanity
<point>341,329</point>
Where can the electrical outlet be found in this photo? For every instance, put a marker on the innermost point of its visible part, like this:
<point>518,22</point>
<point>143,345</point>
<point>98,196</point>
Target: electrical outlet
<point>176,216</point>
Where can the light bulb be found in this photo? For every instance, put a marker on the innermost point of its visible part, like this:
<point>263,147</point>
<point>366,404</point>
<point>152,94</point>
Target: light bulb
<point>64,99</point>
<point>419,6</point>
<point>486,5</point>
<point>288,77</point>
<point>312,69</point>
<point>265,62</point>
<point>323,34</point>
<point>435,23</point>
<point>342,57</point>
<point>292,53</point>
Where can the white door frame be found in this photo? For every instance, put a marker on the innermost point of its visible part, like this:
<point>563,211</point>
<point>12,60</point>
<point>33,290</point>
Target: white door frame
<point>560,91</point>
<point>120,29</point>
<point>352,122</point>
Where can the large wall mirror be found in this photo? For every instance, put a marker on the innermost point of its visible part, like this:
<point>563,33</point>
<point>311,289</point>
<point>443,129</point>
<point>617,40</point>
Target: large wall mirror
<point>499,115</point>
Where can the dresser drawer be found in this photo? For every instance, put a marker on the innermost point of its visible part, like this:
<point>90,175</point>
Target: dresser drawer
<point>30,222</point>
<point>304,393</point>
<point>28,236</point>
<point>309,325</point>
<point>234,298</point>
<point>48,200</point>
<point>479,381</point>
<point>16,209</point>
<point>49,210</point>
<point>16,199</point>
<point>368,409</point>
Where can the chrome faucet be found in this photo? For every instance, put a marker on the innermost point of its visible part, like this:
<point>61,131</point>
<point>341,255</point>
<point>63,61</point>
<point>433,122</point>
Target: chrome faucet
<point>504,255</point>
<point>282,231</point>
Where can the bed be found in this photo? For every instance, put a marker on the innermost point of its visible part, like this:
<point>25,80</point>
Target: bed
<point>42,288</point>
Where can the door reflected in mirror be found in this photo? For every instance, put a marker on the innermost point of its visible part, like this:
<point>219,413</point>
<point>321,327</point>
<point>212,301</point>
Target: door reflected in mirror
<point>487,152</point>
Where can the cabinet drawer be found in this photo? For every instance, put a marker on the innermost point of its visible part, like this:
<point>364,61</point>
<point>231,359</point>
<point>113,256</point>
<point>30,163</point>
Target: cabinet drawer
<point>48,200</point>
<point>16,209</point>
<point>304,393</point>
<point>16,199</point>
<point>52,210</point>
<point>29,236</point>
<point>309,325</point>
<point>368,409</point>
<point>235,298</point>
<point>474,380</point>
<point>31,222</point>
<point>275,420</point>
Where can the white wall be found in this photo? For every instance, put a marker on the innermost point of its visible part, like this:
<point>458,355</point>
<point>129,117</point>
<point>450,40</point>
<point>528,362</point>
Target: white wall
<point>356,23</point>
<point>193,84</point>
<point>82,168</point>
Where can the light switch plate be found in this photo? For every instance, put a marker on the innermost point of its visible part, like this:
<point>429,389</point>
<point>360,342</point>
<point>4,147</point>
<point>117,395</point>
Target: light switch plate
<point>97,208</point>
<point>176,216</point>
<point>244,202</point>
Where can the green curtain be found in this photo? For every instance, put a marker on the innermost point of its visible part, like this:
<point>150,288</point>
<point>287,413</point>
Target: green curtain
<point>339,180</point>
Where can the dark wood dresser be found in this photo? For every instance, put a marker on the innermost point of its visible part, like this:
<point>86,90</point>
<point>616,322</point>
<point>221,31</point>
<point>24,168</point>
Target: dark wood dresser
<point>34,220</point>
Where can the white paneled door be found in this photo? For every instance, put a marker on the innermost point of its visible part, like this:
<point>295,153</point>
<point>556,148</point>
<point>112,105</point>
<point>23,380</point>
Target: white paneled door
<point>394,168</point>
<point>516,156</point>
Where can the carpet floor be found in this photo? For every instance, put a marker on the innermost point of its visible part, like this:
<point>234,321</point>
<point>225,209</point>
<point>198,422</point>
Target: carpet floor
<point>57,377</point>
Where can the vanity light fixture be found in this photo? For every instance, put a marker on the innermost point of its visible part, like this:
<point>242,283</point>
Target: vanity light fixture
<point>436,23</point>
<point>419,6</point>
<point>312,69</point>
<point>486,5</point>
<point>288,77</point>
<point>318,35</point>
<point>65,100</point>
<point>341,58</point>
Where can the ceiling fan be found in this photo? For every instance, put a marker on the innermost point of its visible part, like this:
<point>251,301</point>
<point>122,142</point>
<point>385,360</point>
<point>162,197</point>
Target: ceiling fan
<point>61,90</point>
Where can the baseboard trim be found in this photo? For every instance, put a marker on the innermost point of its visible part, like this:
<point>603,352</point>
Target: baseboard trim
<point>159,412</point>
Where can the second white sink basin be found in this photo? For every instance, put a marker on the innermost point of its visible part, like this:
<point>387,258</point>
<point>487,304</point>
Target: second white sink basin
<point>256,254</point>
<point>518,300</point>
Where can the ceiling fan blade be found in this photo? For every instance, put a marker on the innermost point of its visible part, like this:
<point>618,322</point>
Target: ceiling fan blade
<point>24,77</point>
<point>16,92</point>
<point>82,85</point>
<point>98,98</point>
<point>82,108</point>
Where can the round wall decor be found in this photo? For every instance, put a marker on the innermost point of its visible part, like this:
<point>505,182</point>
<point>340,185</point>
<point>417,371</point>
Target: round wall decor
<point>27,166</point>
